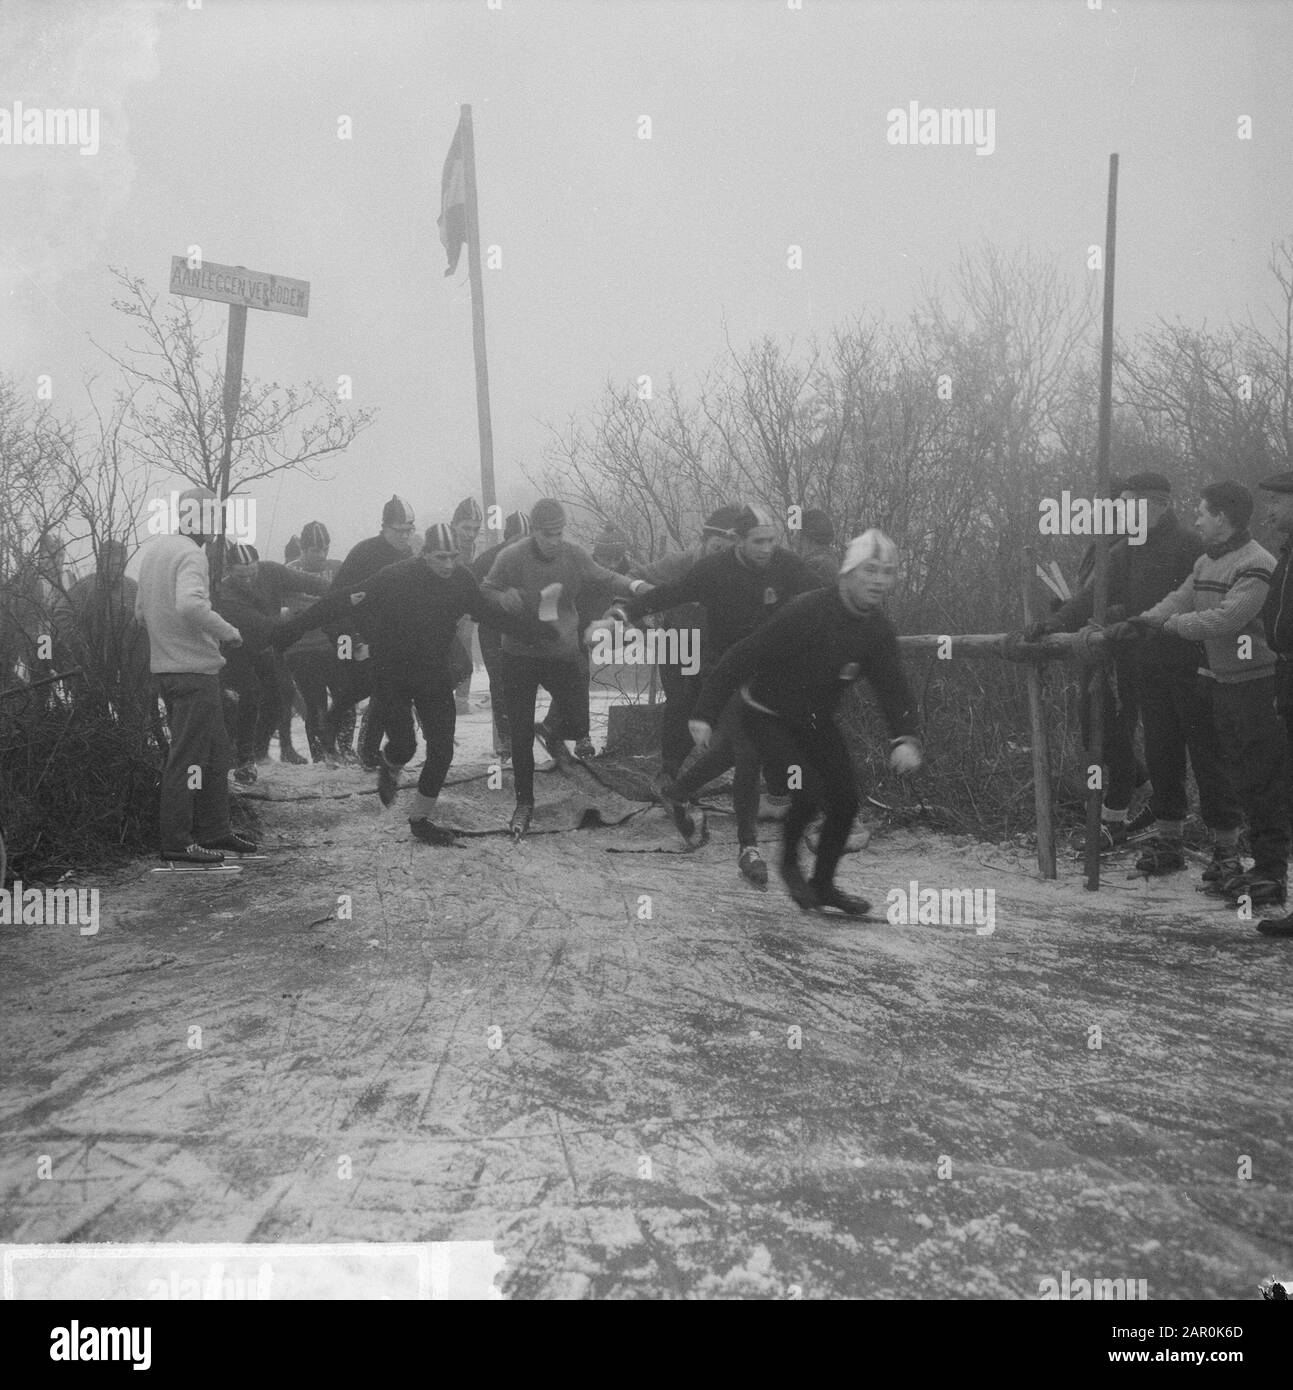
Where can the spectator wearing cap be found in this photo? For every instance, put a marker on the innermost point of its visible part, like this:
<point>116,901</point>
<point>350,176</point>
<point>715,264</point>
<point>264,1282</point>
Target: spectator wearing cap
<point>1159,678</point>
<point>740,590</point>
<point>1120,713</point>
<point>1220,605</point>
<point>410,612</point>
<point>717,536</point>
<point>292,550</point>
<point>516,527</point>
<point>546,574</point>
<point>184,636</point>
<point>313,660</point>
<point>816,546</point>
<point>392,544</point>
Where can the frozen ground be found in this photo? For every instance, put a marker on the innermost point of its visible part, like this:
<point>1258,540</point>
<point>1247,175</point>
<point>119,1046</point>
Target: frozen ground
<point>500,1045</point>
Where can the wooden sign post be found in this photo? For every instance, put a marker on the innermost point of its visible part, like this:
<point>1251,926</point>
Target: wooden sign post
<point>241,289</point>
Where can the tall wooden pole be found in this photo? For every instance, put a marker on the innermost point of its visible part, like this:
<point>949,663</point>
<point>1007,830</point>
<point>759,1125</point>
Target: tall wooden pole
<point>1042,795</point>
<point>484,427</point>
<point>232,396</point>
<point>1099,678</point>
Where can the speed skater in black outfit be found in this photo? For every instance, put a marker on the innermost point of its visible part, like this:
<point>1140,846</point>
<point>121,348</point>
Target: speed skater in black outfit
<point>409,613</point>
<point>740,589</point>
<point>789,677</point>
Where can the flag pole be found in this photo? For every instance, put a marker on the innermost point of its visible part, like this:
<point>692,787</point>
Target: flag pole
<point>1099,676</point>
<point>484,427</point>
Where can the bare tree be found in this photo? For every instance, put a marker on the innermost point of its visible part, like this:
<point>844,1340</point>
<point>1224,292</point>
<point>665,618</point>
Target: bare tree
<point>174,417</point>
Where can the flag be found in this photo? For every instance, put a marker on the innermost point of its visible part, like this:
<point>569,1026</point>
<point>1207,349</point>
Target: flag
<point>453,202</point>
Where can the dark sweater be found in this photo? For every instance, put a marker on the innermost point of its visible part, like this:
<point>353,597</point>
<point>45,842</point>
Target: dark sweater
<point>737,597</point>
<point>363,561</point>
<point>521,566</point>
<point>799,664</point>
<point>1277,611</point>
<point>409,616</point>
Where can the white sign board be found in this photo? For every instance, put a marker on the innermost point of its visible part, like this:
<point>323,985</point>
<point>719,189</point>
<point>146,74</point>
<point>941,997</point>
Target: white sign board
<point>235,284</point>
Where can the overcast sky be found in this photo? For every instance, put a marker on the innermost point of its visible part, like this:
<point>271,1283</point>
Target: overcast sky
<point>621,256</point>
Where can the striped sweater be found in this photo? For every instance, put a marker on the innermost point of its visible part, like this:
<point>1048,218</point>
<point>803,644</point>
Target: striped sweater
<point>1220,604</point>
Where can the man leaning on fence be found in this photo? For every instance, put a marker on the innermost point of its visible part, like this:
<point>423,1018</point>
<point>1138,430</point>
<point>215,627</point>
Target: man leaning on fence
<point>184,636</point>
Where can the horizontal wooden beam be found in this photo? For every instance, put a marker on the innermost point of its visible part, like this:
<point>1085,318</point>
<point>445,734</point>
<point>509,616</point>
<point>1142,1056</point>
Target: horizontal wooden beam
<point>1055,646</point>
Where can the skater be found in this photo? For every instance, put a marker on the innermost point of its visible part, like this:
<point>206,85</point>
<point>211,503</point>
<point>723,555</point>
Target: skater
<point>816,545</point>
<point>409,612</point>
<point>466,523</point>
<point>740,590</point>
<point>1220,605</point>
<point>516,527</point>
<point>393,543</point>
<point>789,676</point>
<point>270,586</point>
<point>549,573</point>
<point>184,635</point>
<point>249,677</point>
<point>313,660</point>
<point>717,536</point>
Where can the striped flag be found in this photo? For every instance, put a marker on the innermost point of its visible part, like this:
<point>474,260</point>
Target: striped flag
<point>453,202</point>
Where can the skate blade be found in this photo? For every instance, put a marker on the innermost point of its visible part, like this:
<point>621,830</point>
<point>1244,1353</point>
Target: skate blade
<point>198,869</point>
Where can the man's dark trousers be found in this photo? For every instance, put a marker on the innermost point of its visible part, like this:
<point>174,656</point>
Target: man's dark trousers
<point>199,740</point>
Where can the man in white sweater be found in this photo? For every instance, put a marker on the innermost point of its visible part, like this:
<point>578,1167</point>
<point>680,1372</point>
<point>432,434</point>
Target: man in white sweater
<point>184,636</point>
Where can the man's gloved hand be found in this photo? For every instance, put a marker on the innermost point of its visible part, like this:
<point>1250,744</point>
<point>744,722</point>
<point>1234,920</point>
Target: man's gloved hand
<point>701,733</point>
<point>513,600</point>
<point>1034,632</point>
<point>1129,630</point>
<point>905,757</point>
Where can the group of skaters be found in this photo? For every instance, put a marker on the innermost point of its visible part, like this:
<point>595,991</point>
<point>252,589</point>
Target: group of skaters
<point>784,633</point>
<point>1202,633</point>
<point>1200,625</point>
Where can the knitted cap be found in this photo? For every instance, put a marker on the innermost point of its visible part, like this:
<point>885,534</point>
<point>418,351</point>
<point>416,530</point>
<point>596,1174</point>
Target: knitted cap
<point>818,527</point>
<point>242,555</point>
<point>516,526</point>
<point>547,511</point>
<point>314,536</point>
<point>1144,483</point>
<point>397,512</point>
<point>870,545</point>
<point>467,509</point>
<point>750,516</point>
<point>721,522</point>
<point>610,547</point>
<point>440,538</point>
